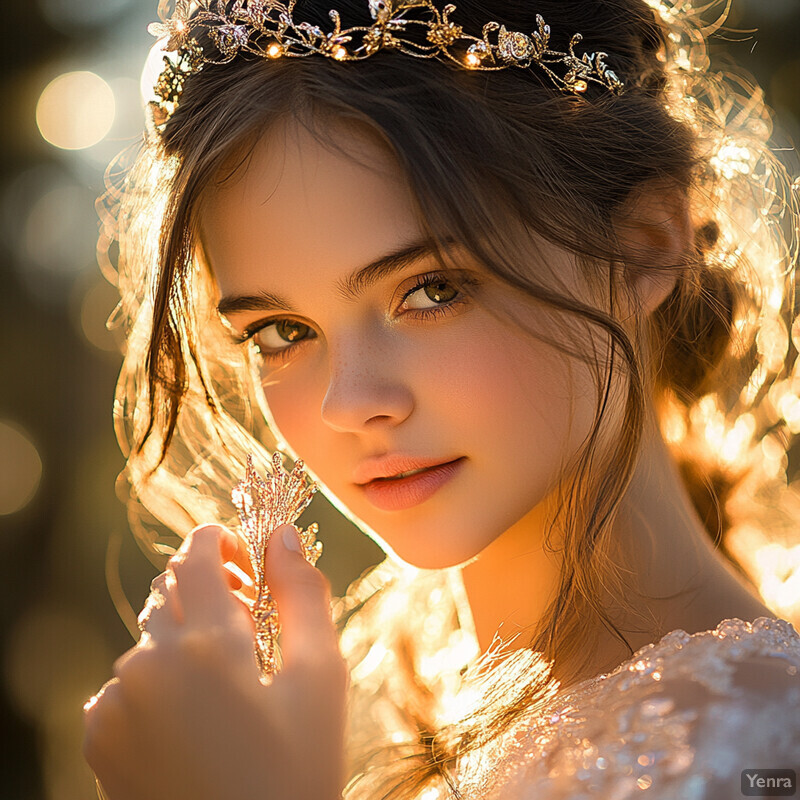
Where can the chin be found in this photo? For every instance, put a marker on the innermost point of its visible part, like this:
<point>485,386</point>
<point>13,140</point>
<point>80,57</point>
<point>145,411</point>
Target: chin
<point>431,546</point>
<point>424,556</point>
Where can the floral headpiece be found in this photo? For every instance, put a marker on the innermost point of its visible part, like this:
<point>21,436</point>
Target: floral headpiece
<point>266,29</point>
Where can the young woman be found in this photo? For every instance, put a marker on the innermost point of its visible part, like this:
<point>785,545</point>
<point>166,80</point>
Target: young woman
<point>519,303</point>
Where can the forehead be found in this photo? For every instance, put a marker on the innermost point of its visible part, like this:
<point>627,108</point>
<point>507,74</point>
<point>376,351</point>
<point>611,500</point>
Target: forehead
<point>298,204</point>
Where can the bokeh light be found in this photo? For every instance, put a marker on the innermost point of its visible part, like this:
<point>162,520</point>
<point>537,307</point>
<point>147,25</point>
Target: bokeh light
<point>129,119</point>
<point>49,223</point>
<point>76,110</point>
<point>20,469</point>
<point>59,235</point>
<point>19,195</point>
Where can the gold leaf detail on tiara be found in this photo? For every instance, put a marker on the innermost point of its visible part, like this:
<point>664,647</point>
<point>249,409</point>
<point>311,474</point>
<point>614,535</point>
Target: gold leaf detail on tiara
<point>267,29</point>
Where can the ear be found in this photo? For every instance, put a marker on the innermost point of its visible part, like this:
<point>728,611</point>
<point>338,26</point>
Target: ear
<point>655,233</point>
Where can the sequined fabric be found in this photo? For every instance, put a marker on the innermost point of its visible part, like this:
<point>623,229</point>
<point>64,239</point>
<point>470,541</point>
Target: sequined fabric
<point>679,720</point>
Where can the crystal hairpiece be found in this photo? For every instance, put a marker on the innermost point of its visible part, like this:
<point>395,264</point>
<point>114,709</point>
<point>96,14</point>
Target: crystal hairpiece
<point>263,506</point>
<point>267,29</point>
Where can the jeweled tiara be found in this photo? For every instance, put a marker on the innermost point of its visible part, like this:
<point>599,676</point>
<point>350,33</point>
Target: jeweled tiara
<point>267,29</point>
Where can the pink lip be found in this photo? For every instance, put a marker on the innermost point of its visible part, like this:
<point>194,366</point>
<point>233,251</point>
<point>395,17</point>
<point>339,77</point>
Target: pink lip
<point>397,494</point>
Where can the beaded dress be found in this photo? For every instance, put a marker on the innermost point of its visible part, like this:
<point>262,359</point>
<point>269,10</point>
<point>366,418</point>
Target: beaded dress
<point>679,720</point>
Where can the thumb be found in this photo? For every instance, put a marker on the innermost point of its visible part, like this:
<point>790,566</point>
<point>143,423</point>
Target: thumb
<point>304,601</point>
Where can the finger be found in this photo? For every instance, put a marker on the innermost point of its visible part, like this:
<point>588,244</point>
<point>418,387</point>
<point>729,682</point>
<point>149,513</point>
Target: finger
<point>161,616</point>
<point>239,581</point>
<point>202,588</point>
<point>90,706</point>
<point>228,542</point>
<point>106,741</point>
<point>238,569</point>
<point>304,601</point>
<point>102,715</point>
<point>235,577</point>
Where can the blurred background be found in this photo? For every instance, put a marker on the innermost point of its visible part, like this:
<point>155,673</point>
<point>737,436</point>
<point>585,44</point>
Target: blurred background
<point>70,73</point>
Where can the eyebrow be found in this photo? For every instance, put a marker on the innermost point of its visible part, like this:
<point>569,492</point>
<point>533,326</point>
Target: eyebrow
<point>349,288</point>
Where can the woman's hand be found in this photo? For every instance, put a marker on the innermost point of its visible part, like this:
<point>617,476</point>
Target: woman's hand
<point>186,717</point>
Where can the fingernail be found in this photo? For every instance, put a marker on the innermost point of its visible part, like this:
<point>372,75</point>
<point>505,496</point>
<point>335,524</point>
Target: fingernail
<point>291,540</point>
<point>234,569</point>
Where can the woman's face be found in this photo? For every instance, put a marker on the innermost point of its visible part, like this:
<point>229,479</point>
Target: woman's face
<point>375,364</point>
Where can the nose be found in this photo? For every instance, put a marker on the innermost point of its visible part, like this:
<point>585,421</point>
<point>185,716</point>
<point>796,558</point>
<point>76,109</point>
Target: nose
<point>365,389</point>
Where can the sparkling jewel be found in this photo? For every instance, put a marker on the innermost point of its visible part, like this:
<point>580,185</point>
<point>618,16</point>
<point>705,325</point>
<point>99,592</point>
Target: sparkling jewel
<point>515,45</point>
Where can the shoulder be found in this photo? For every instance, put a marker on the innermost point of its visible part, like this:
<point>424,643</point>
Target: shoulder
<point>740,662</point>
<point>739,685</point>
<point>733,657</point>
<point>723,679</point>
<point>682,718</point>
<point>744,660</point>
<point>735,689</point>
<point>737,660</point>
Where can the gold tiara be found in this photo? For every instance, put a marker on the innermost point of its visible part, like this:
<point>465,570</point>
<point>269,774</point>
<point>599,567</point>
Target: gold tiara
<point>266,29</point>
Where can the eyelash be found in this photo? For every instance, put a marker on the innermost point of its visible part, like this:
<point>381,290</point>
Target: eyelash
<point>433,279</point>
<point>422,282</point>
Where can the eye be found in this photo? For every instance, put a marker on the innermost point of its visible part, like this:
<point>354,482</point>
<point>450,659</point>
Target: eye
<point>430,292</point>
<point>277,337</point>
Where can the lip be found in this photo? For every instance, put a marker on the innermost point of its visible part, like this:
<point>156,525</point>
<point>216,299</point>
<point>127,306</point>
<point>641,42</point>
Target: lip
<point>397,494</point>
<point>393,464</point>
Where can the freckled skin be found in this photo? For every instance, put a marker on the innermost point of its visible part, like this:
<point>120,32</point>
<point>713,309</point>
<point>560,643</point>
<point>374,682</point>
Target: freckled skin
<point>376,380</point>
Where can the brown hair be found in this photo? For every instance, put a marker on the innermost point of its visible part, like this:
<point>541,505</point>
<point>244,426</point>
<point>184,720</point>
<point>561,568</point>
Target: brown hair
<point>478,149</point>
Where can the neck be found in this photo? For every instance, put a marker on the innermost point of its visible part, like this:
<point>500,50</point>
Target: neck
<point>512,581</point>
<point>674,577</point>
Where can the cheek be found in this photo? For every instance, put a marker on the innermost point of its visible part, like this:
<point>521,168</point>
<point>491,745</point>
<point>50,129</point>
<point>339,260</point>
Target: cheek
<point>515,395</point>
<point>294,403</point>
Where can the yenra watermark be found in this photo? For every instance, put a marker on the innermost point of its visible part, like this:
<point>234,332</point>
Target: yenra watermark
<point>769,782</point>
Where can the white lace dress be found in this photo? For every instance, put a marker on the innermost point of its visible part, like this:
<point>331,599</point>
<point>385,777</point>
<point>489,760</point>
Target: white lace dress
<point>680,720</point>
